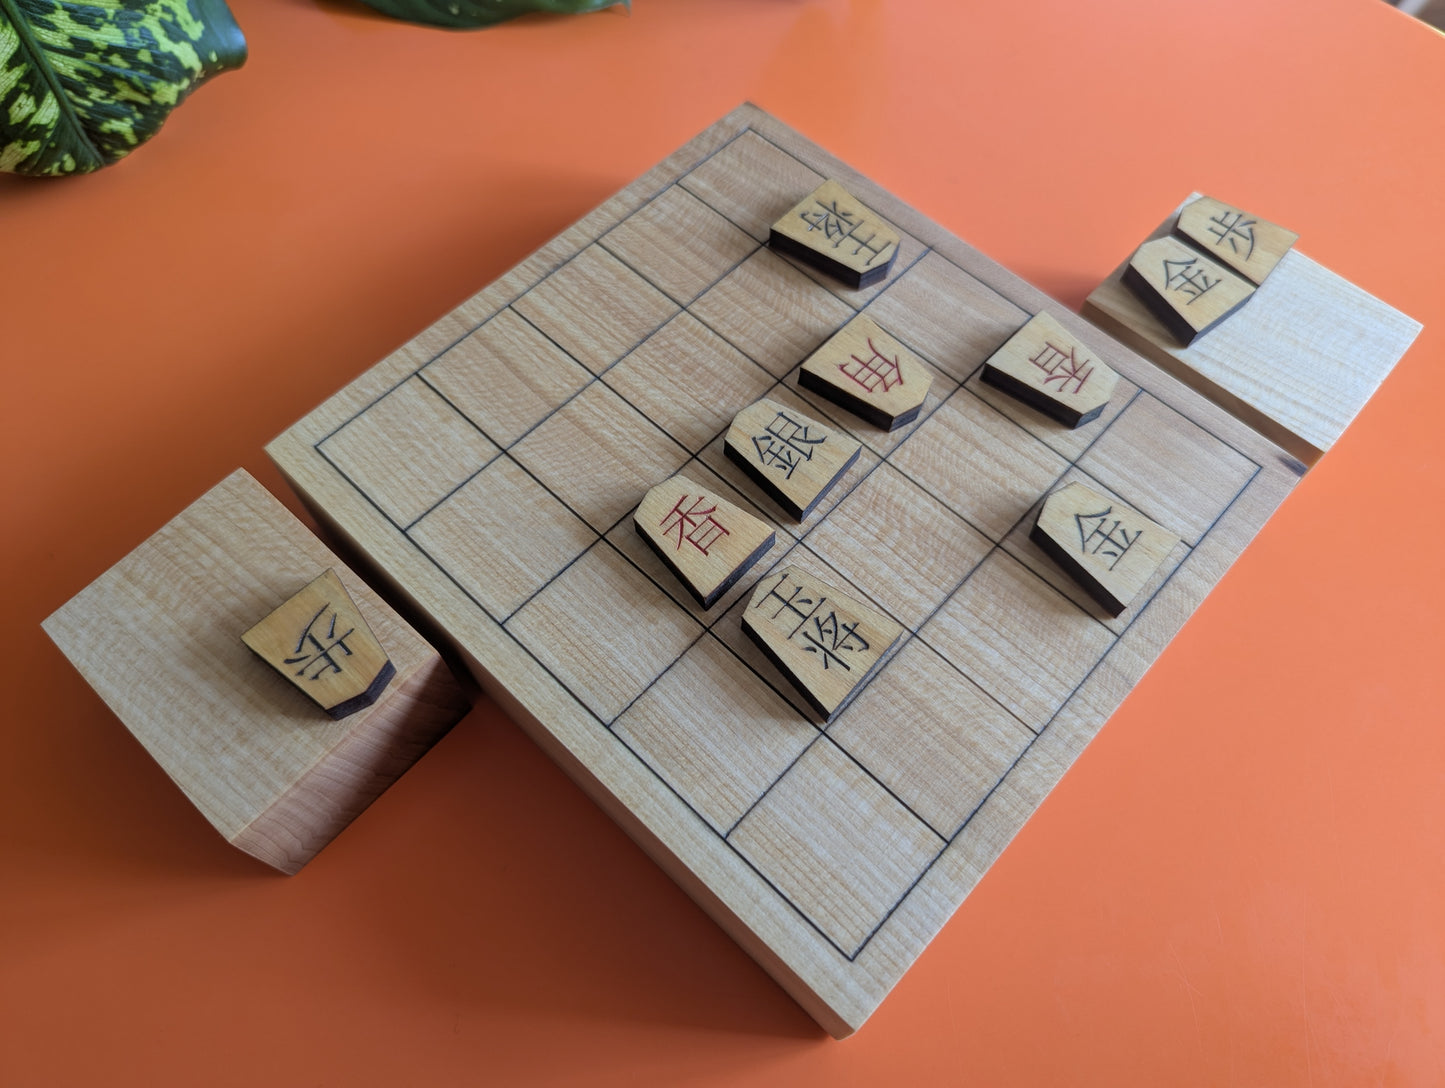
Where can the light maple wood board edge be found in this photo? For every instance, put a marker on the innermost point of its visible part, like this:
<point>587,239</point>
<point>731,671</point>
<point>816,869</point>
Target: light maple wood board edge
<point>158,636</point>
<point>839,994</point>
<point>1297,362</point>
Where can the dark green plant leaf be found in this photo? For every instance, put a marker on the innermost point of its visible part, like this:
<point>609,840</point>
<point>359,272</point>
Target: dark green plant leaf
<point>84,84</point>
<point>474,13</point>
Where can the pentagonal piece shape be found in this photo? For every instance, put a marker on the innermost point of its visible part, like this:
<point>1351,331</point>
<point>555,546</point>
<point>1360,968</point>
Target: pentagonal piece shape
<point>792,457</point>
<point>826,643</point>
<point>1109,548</point>
<point>706,541</point>
<point>1246,243</point>
<point>1045,366</point>
<point>1185,290</point>
<point>838,234</point>
<point>319,641</point>
<point>869,373</point>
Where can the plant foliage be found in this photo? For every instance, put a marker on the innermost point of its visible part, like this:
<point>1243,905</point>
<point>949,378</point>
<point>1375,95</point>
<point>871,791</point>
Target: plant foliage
<point>465,14</point>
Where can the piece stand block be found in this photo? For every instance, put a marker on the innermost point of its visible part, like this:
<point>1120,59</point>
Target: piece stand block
<point>1297,364</point>
<point>832,231</point>
<point>866,371</point>
<point>706,541</point>
<point>159,638</point>
<point>827,644</point>
<point>1110,549</point>
<point>794,458</point>
<point>1246,243</point>
<point>1045,366</point>
<point>1184,289</point>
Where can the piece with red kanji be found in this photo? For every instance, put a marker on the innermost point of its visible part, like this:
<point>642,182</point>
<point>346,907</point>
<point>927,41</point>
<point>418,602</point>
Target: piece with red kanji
<point>869,373</point>
<point>834,232</point>
<point>825,642</point>
<point>1045,366</point>
<point>792,457</point>
<point>706,541</point>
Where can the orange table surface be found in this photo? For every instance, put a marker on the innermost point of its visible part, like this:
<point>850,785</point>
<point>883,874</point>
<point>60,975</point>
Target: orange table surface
<point>1241,881</point>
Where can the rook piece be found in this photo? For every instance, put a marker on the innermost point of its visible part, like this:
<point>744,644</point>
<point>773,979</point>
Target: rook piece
<point>1110,549</point>
<point>319,642</point>
<point>1046,367</point>
<point>706,541</point>
<point>793,458</point>
<point>1249,245</point>
<point>1188,292</point>
<point>830,230</point>
<point>825,642</point>
<point>869,373</point>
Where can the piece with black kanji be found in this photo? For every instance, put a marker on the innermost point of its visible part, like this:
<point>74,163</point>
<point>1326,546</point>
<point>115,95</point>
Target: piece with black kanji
<point>706,541</point>
<point>1185,290</point>
<point>834,232</point>
<point>792,457</point>
<point>869,373</point>
<point>1110,549</point>
<point>1246,243</point>
<point>825,642</point>
<point>1045,366</point>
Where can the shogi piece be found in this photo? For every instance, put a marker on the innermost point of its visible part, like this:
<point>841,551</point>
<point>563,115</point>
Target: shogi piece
<point>1246,243</point>
<point>706,541</point>
<point>869,373</point>
<point>319,642</point>
<point>1110,549</point>
<point>832,231</point>
<point>1188,292</point>
<point>158,637</point>
<point>825,642</point>
<point>1045,366</point>
<point>792,457</point>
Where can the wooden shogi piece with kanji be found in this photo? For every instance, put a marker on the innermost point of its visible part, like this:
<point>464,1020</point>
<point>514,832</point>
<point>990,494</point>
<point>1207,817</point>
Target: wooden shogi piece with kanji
<point>158,636</point>
<point>868,372</point>
<point>706,541</point>
<point>1048,368</point>
<point>1184,289</point>
<point>837,233</point>
<point>1110,549</point>
<point>1246,243</point>
<point>825,642</point>
<point>795,459</point>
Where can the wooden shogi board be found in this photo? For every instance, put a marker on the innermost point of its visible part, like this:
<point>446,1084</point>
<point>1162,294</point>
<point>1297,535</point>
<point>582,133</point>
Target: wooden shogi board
<point>489,468</point>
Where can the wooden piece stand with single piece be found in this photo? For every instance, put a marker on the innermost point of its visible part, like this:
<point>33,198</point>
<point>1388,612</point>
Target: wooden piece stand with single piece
<point>833,855</point>
<point>1047,367</point>
<point>865,370</point>
<point>792,457</point>
<point>706,541</point>
<point>158,636</point>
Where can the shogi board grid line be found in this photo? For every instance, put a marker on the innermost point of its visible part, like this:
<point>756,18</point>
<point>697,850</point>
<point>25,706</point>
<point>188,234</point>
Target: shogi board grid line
<point>839,980</point>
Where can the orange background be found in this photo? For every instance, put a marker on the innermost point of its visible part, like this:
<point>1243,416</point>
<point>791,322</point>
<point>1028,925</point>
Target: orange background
<point>1242,880</point>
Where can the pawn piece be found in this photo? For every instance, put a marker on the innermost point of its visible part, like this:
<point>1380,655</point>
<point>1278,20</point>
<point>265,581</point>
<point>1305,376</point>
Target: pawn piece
<point>320,643</point>
<point>1046,367</point>
<point>826,643</point>
<point>832,231</point>
<point>706,541</point>
<point>1110,549</point>
<point>1189,293</point>
<point>795,459</point>
<point>1249,245</point>
<point>869,373</point>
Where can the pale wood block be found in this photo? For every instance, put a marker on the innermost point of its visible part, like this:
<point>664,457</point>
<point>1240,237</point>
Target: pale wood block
<point>678,243</point>
<point>1048,368</point>
<point>825,642</point>
<point>319,641</point>
<point>706,541</point>
<point>1246,243</point>
<point>158,637</point>
<point>1110,549</point>
<point>1185,290</point>
<point>838,234</point>
<point>1296,365</point>
<point>868,372</point>
<point>791,456</point>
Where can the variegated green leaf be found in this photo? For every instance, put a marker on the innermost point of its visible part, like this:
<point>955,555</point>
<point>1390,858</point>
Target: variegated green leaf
<point>474,13</point>
<point>84,84</point>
